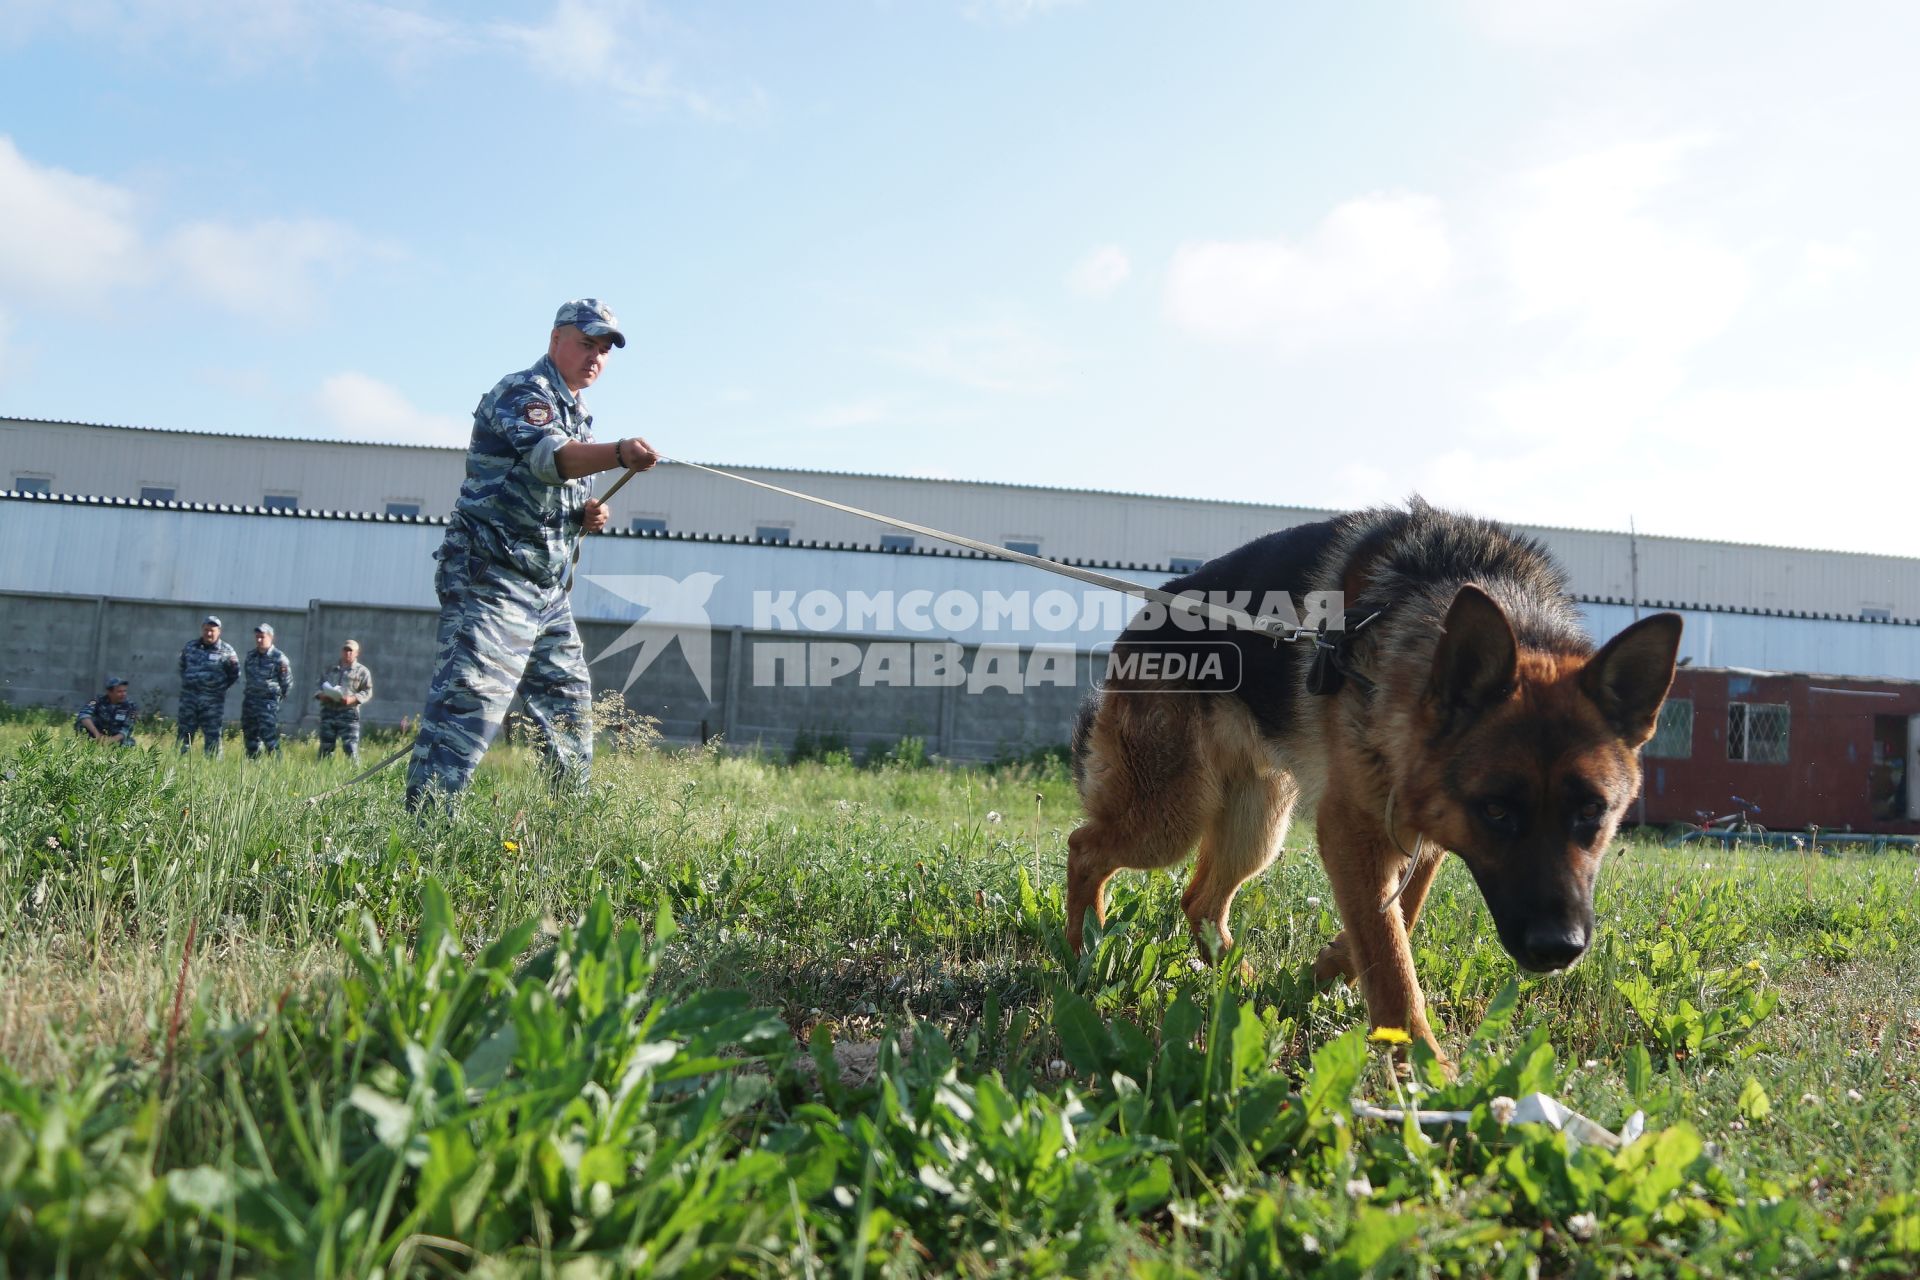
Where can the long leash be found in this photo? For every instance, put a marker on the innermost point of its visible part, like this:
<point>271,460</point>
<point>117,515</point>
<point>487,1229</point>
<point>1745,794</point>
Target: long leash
<point>1220,613</point>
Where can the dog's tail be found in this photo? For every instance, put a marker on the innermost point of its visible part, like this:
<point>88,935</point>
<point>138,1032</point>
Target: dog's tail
<point>1083,736</point>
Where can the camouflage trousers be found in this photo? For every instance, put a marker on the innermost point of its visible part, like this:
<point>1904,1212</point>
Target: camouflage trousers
<point>203,711</point>
<point>260,724</point>
<point>501,634</point>
<point>340,724</point>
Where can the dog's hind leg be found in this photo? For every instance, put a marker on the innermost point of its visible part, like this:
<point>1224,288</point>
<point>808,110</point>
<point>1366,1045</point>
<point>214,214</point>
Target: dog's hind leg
<point>1147,794</point>
<point>1240,842</point>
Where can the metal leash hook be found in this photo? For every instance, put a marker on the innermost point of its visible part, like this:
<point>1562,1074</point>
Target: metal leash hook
<point>1413,858</point>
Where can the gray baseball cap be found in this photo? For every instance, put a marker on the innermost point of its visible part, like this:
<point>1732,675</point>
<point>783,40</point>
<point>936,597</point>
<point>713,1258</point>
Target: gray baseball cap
<point>211,621</point>
<point>265,628</point>
<point>114,682</point>
<point>591,317</point>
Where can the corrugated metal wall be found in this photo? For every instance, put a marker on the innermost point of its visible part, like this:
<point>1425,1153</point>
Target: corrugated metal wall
<point>283,562</point>
<point>1067,524</point>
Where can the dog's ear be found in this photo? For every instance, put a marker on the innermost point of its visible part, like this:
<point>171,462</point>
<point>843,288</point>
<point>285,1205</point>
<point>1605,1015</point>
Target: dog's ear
<point>1477,659</point>
<point>1628,679</point>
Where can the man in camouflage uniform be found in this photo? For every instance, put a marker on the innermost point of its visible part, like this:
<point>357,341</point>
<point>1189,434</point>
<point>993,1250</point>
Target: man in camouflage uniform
<point>506,565</point>
<point>109,717</point>
<point>268,678</point>
<point>344,689</point>
<point>208,668</point>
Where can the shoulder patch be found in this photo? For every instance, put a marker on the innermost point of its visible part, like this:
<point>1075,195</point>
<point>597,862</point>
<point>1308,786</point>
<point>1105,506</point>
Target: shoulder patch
<point>538,413</point>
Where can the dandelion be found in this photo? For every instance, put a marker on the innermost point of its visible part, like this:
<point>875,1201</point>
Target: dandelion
<point>1808,1100</point>
<point>1502,1109</point>
<point>1389,1035</point>
<point>993,817</point>
<point>1359,1188</point>
<point>511,846</point>
<point>1591,1063</point>
<point>1057,1069</point>
<point>1313,902</point>
<point>1854,1095</point>
<point>1310,1243</point>
<point>1581,1226</point>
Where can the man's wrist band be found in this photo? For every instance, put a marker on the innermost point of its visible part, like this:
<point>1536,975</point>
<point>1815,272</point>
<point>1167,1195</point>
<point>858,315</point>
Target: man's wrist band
<point>620,452</point>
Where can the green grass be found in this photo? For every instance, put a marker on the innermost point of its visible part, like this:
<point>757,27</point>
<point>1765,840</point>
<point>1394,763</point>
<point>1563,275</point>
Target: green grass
<point>725,1016</point>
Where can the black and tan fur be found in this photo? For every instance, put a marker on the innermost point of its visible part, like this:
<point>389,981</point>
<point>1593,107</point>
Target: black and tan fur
<point>1483,716</point>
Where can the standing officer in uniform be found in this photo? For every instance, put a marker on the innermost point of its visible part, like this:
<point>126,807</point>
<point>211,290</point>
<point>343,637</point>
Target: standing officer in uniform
<point>505,566</point>
<point>109,717</point>
<point>269,676</point>
<point>344,689</point>
<point>208,668</point>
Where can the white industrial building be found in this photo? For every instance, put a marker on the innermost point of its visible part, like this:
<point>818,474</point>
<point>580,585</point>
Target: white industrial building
<point>1156,534</point>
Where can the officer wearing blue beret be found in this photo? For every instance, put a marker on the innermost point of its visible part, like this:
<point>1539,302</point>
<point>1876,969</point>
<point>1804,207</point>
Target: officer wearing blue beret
<point>505,565</point>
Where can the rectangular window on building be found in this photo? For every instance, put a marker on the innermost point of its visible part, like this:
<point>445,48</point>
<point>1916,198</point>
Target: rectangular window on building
<point>1673,739</point>
<point>33,484</point>
<point>281,502</point>
<point>1757,732</point>
<point>1877,612</point>
<point>649,524</point>
<point>403,508</point>
<point>156,493</point>
<point>1023,546</point>
<point>895,542</point>
<point>773,532</point>
<point>1183,564</point>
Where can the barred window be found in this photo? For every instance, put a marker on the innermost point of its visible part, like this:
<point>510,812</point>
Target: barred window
<point>649,524</point>
<point>1757,732</point>
<point>773,532</point>
<point>281,502</point>
<point>1673,738</point>
<point>895,542</point>
<point>156,493</point>
<point>403,508</point>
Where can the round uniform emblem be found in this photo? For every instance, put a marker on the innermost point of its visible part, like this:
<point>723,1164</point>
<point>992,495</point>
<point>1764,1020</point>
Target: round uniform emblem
<point>539,414</point>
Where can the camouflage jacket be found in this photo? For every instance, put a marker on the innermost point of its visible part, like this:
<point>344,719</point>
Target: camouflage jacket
<point>208,668</point>
<point>108,716</point>
<point>268,674</point>
<point>514,508</point>
<point>355,679</point>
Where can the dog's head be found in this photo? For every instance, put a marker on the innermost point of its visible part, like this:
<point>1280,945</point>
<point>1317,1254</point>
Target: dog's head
<point>1532,762</point>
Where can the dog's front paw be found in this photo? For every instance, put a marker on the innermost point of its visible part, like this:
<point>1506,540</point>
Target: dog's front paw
<point>1333,961</point>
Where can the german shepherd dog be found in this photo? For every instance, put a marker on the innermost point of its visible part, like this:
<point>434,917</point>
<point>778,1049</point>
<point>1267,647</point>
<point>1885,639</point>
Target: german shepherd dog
<point>1471,714</point>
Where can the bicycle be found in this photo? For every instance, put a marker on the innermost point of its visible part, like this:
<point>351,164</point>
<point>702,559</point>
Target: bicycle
<point>1728,828</point>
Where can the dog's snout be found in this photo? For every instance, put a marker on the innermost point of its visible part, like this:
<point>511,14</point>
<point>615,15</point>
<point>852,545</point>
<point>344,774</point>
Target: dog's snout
<point>1554,946</point>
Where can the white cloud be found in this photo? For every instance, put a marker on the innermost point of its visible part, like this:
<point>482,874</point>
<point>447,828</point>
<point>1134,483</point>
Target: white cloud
<point>1582,243</point>
<point>1101,272</point>
<point>1826,264</point>
<point>618,46</point>
<point>1003,357</point>
<point>1368,270</point>
<point>863,412</point>
<point>366,408</point>
<point>1563,24</point>
<point>1011,11</point>
<point>273,270</point>
<point>63,233</point>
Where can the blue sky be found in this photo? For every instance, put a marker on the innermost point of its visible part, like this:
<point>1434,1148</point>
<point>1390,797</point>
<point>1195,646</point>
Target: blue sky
<point>1555,262</point>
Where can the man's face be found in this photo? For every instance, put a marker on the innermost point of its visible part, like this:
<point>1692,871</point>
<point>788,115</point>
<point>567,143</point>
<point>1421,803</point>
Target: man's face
<point>348,655</point>
<point>209,634</point>
<point>117,694</point>
<point>578,357</point>
<point>262,641</point>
